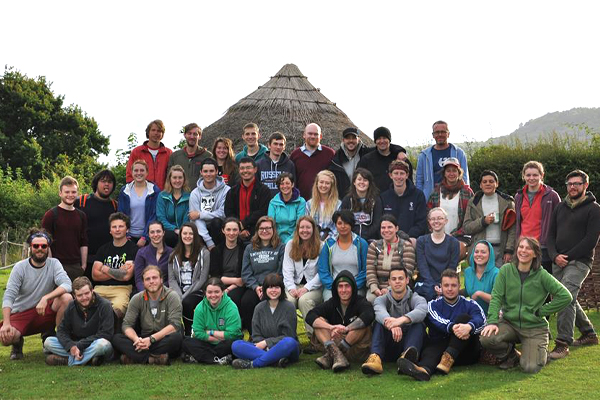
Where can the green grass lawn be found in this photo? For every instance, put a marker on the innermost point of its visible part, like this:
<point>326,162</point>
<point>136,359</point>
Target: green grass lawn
<point>574,377</point>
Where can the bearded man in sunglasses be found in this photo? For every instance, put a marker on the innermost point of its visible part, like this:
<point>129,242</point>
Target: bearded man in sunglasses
<point>37,293</point>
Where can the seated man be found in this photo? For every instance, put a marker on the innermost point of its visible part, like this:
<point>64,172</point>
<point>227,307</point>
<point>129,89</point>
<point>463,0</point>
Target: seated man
<point>454,326</point>
<point>157,310</point>
<point>37,293</point>
<point>113,269</point>
<point>342,325</point>
<point>399,328</point>
<point>86,330</point>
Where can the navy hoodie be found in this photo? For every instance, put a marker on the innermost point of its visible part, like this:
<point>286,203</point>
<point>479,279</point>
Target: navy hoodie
<point>410,209</point>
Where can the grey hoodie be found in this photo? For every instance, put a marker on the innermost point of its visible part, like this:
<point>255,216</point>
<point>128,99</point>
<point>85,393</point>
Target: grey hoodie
<point>412,306</point>
<point>210,203</point>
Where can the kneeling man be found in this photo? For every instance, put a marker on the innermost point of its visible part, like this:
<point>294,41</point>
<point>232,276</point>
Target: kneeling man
<point>454,326</point>
<point>86,330</point>
<point>399,329</point>
<point>342,325</point>
<point>158,311</point>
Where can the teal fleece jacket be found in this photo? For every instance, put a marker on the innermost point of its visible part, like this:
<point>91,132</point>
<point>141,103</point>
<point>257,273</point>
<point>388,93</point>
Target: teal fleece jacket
<point>225,317</point>
<point>286,214</point>
<point>522,304</point>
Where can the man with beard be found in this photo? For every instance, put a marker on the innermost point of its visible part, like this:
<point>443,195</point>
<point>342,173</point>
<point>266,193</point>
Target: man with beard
<point>156,313</point>
<point>86,330</point>
<point>68,227</point>
<point>190,157</point>
<point>346,159</point>
<point>37,293</point>
<point>572,237</point>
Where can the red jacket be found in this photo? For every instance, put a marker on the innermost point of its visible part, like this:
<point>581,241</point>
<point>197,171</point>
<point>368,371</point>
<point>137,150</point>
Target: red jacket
<point>157,170</point>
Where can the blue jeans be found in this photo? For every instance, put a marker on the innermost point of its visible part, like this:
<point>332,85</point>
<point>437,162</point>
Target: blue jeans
<point>99,347</point>
<point>286,348</point>
<point>384,345</point>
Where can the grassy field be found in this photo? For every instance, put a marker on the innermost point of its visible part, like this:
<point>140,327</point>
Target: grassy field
<point>574,377</point>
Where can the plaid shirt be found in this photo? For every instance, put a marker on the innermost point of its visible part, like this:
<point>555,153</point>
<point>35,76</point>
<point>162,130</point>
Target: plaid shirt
<point>464,195</point>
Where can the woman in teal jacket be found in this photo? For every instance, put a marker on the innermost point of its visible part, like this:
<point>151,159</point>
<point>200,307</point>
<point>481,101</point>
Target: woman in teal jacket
<point>216,325</point>
<point>481,274</point>
<point>173,204</point>
<point>286,207</point>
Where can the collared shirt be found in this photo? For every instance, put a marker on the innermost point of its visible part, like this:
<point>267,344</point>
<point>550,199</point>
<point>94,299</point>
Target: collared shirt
<point>309,152</point>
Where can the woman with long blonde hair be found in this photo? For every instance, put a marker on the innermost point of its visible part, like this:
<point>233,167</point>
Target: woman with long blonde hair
<point>324,203</point>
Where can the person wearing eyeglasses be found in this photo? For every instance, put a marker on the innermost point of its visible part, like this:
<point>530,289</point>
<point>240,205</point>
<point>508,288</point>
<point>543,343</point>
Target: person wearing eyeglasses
<point>37,294</point>
<point>431,159</point>
<point>572,237</point>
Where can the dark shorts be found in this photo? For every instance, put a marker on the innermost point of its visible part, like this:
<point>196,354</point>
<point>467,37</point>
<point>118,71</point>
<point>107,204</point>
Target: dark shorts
<point>29,322</point>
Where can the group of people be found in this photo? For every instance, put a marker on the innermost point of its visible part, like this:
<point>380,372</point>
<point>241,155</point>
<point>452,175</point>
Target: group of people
<point>198,249</point>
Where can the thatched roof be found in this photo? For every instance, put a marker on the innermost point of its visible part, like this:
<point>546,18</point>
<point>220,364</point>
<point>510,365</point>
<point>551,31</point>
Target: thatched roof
<point>286,103</point>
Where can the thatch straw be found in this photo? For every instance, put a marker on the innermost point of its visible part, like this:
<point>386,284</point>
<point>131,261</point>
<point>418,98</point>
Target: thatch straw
<point>286,103</point>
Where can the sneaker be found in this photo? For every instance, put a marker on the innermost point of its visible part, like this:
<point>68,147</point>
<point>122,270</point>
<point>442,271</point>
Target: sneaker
<point>561,350</point>
<point>411,369</point>
<point>53,359</point>
<point>411,354</point>
<point>158,359</point>
<point>125,360</point>
<point>17,350</point>
<point>587,339</point>
<point>512,360</point>
<point>445,364</point>
<point>373,365</point>
<point>223,360</point>
<point>283,362</point>
<point>97,361</point>
<point>240,363</point>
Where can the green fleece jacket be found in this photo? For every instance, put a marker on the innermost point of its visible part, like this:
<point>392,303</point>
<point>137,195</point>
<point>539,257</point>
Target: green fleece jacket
<point>522,304</point>
<point>224,318</point>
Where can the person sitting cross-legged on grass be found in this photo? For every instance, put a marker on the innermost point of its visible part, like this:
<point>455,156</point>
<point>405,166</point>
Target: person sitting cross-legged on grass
<point>342,325</point>
<point>157,310</point>
<point>520,290</point>
<point>86,329</point>
<point>273,330</point>
<point>216,325</point>
<point>399,329</point>
<point>454,325</point>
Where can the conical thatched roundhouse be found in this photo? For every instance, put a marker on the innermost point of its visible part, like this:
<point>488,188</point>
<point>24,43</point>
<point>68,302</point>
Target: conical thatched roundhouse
<point>286,103</point>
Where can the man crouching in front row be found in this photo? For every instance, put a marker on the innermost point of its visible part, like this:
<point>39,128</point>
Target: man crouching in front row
<point>342,325</point>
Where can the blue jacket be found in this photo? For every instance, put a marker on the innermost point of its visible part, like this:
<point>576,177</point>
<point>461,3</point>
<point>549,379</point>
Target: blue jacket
<point>150,206</point>
<point>486,284</point>
<point>410,209</point>
<point>425,181</point>
<point>441,316</point>
<point>286,214</point>
<point>325,267</point>
<point>172,216</point>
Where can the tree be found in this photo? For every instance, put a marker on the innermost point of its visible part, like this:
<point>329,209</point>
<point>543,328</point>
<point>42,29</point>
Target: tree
<point>36,129</point>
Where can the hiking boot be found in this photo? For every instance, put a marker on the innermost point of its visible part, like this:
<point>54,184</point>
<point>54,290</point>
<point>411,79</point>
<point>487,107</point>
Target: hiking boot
<point>283,362</point>
<point>240,363</point>
<point>561,350</point>
<point>325,361</point>
<point>512,360</point>
<point>411,354</point>
<point>221,361</point>
<point>97,361</point>
<point>158,359</point>
<point>53,359</point>
<point>411,369</point>
<point>445,364</point>
<point>340,362</point>
<point>17,350</point>
<point>587,339</point>
<point>373,365</point>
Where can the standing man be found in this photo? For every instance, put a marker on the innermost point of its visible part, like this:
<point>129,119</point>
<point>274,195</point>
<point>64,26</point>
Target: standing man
<point>405,202</point>
<point>191,156</point>
<point>431,159</point>
<point>36,296</point>
<point>248,200</point>
<point>311,158</point>
<point>68,227</point>
<point>97,207</point>
<point>378,160</point>
<point>573,235</point>
<point>252,149</point>
<point>274,163</point>
<point>154,152</point>
<point>113,269</point>
<point>398,330</point>
<point>207,203</point>
<point>86,330</point>
<point>156,313</point>
<point>454,326</point>
<point>346,159</point>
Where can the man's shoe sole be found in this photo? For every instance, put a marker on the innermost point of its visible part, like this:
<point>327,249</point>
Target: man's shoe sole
<point>408,368</point>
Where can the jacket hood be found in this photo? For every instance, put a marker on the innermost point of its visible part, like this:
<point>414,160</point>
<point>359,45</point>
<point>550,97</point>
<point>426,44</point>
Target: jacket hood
<point>589,198</point>
<point>404,300</point>
<point>491,261</point>
<point>262,149</point>
<point>272,164</point>
<point>225,300</point>
<point>295,196</point>
<point>150,187</point>
<point>219,185</point>
<point>336,281</point>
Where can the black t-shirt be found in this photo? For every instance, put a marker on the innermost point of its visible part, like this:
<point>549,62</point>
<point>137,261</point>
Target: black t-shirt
<point>230,262</point>
<point>115,257</point>
<point>98,228</point>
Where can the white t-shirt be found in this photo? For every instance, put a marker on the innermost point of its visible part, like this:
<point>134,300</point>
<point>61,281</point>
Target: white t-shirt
<point>451,208</point>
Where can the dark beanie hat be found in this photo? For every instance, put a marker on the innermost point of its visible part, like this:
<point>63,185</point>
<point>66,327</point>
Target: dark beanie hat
<point>382,131</point>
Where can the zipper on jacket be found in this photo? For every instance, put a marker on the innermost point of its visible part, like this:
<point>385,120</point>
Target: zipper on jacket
<point>521,303</point>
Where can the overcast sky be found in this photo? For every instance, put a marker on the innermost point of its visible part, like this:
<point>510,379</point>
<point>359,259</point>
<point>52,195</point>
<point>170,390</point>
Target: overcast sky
<point>483,68</point>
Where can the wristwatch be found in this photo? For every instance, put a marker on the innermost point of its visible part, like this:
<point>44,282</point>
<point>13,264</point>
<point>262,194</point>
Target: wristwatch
<point>152,339</point>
